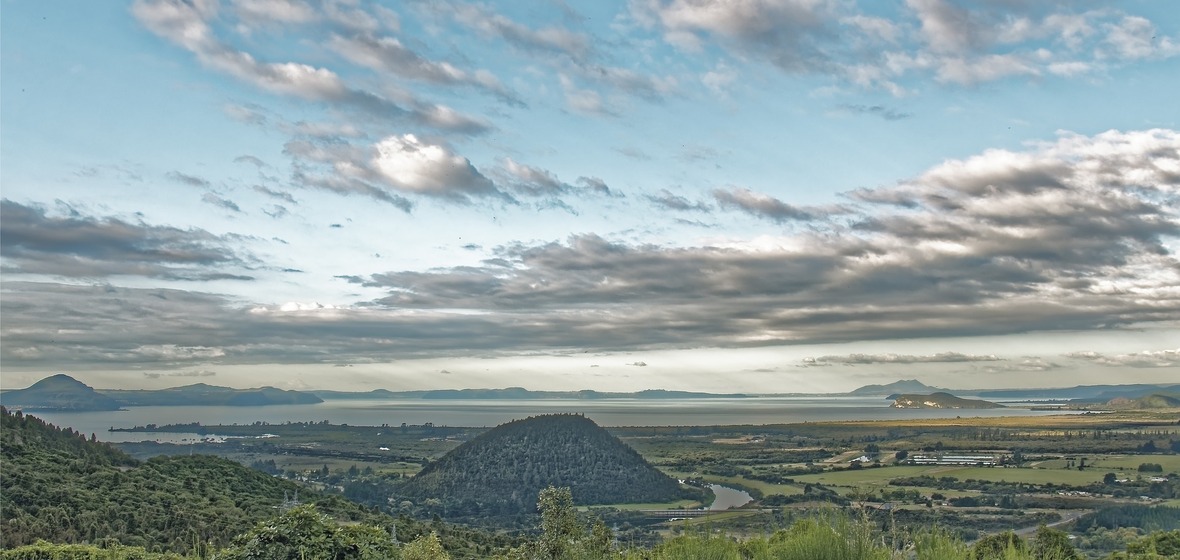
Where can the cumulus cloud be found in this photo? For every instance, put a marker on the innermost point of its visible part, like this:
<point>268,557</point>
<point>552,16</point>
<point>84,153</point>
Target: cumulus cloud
<point>390,169</point>
<point>32,241</point>
<point>416,166</point>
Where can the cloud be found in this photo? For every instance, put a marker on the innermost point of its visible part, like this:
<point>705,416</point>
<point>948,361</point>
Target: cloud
<point>584,101</point>
<point>552,39</point>
<point>863,359</point>
<point>388,54</point>
<point>1145,359</point>
<point>1134,38</point>
<point>390,169</point>
<point>188,25</point>
<point>882,111</point>
<point>1073,233</point>
<point>667,200</point>
<point>532,181</point>
<point>416,166</point>
<point>261,12</point>
<point>783,31</point>
<point>186,179</point>
<point>1029,364</point>
<point>952,43</point>
<point>220,202</point>
<point>276,194</point>
<point>763,206</point>
<point>250,160</point>
<point>188,373</point>
<point>77,246</point>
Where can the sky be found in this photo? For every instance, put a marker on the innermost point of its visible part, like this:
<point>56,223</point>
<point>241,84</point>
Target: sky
<point>743,195</point>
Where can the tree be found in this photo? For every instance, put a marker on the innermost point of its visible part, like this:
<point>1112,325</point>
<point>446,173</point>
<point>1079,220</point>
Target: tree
<point>1110,478</point>
<point>559,521</point>
<point>1051,544</point>
<point>303,532</point>
<point>901,455</point>
<point>426,547</point>
<point>998,546</point>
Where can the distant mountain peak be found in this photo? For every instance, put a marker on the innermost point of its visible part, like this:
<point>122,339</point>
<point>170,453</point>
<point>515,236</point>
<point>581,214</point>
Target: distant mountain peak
<point>899,386</point>
<point>59,392</point>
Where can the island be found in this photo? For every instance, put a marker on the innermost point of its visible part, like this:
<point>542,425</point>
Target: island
<point>939,400</point>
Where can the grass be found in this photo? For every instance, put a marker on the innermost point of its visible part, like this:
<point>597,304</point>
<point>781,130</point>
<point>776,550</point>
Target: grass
<point>679,504</point>
<point>767,488</point>
<point>880,477</point>
<point>1170,463</point>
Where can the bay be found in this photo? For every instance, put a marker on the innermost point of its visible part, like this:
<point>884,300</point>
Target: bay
<point>492,412</point>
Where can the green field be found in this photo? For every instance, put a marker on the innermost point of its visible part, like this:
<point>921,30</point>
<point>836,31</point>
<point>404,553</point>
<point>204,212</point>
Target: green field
<point>767,489</point>
<point>1170,463</point>
<point>679,504</point>
<point>880,477</point>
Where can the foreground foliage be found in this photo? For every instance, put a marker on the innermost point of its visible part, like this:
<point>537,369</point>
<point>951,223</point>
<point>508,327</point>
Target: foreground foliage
<point>304,533</point>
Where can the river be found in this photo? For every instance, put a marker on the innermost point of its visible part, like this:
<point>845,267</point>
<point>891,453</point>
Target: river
<point>491,412</point>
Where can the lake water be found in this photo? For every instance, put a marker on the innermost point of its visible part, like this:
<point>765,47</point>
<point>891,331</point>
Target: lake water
<point>726,497</point>
<point>487,413</point>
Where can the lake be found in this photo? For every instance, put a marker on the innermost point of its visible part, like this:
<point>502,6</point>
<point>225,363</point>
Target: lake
<point>487,413</point>
<point>726,497</point>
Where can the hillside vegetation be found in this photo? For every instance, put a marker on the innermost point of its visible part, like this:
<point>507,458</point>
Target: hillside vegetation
<point>1152,401</point>
<point>60,487</point>
<point>503,469</point>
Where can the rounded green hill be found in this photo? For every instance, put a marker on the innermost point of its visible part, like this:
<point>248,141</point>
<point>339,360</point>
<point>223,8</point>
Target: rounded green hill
<point>504,468</point>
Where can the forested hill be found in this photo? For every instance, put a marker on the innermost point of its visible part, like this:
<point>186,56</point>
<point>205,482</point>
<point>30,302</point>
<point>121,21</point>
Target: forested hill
<point>59,487</point>
<point>504,468</point>
<point>59,392</point>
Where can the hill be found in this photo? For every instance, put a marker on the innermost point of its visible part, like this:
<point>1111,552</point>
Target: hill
<point>1145,402</point>
<point>1080,393</point>
<point>200,394</point>
<point>940,400</point>
<point>58,392</point>
<point>900,386</point>
<point>61,487</point>
<point>502,470</point>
